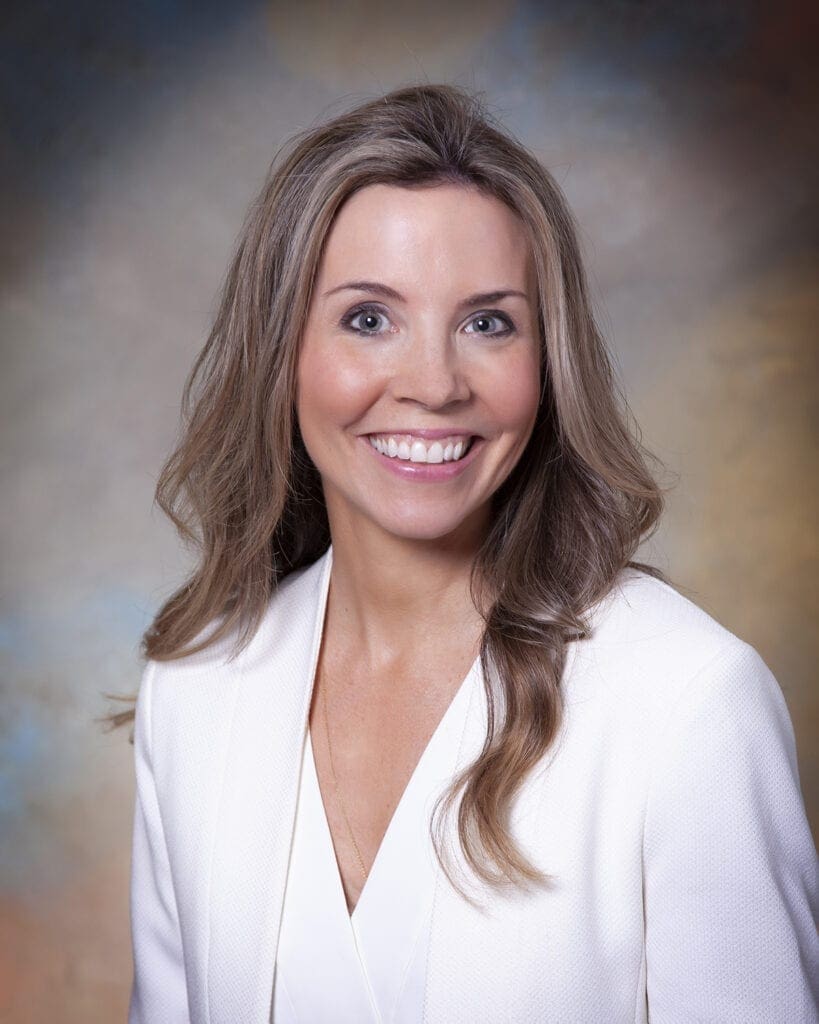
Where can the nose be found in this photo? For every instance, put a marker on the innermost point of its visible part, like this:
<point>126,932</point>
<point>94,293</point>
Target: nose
<point>431,372</point>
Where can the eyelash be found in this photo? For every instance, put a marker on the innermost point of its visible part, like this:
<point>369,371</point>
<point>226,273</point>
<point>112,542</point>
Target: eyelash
<point>347,321</point>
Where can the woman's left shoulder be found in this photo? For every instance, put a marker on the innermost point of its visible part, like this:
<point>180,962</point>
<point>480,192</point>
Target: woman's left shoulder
<point>641,608</point>
<point>650,645</point>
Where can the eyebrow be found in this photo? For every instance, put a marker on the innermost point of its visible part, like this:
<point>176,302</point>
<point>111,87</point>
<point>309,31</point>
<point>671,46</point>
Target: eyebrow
<point>479,299</point>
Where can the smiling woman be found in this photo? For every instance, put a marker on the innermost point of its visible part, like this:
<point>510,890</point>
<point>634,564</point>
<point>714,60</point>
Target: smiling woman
<point>419,740</point>
<point>440,380</point>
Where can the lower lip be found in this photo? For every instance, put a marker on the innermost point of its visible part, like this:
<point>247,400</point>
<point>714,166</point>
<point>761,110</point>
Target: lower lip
<point>430,472</point>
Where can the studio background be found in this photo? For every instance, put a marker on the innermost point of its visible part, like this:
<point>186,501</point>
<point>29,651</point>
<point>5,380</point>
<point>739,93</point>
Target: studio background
<point>137,135</point>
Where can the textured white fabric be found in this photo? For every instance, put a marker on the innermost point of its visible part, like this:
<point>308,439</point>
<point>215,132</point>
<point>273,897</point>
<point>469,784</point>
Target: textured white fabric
<point>668,814</point>
<point>368,967</point>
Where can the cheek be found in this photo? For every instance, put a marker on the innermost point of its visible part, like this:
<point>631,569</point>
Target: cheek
<point>513,390</point>
<point>333,386</point>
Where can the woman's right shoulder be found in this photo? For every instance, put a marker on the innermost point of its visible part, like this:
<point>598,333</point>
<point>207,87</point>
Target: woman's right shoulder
<point>198,680</point>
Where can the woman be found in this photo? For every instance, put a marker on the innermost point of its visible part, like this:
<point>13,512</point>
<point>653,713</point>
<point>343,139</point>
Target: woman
<point>419,740</point>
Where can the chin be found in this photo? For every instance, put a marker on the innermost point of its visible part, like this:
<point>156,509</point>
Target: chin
<point>420,527</point>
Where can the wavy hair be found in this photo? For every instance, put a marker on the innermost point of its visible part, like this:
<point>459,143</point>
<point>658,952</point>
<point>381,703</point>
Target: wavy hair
<point>241,488</point>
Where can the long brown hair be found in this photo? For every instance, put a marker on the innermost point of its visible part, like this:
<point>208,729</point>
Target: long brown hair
<point>242,489</point>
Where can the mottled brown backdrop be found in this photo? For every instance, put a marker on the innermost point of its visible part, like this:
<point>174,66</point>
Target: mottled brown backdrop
<point>684,136</point>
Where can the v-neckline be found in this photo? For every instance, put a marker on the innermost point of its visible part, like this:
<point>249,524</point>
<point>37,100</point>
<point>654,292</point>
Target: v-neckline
<point>318,642</point>
<point>398,811</point>
<point>373,960</point>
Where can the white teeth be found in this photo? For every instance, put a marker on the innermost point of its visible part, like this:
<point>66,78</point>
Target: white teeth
<point>436,452</point>
<point>418,451</point>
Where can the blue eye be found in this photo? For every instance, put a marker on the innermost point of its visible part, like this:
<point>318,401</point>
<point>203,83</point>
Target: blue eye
<point>369,317</point>
<point>483,323</point>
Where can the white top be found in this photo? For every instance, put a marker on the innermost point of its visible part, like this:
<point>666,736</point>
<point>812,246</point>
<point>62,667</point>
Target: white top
<point>368,967</point>
<point>667,814</point>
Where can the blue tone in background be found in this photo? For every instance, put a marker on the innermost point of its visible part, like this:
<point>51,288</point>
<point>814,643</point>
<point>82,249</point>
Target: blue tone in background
<point>684,137</point>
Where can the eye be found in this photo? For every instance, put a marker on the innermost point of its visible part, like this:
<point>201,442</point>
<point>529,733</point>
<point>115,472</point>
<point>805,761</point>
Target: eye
<point>486,323</point>
<point>364,320</point>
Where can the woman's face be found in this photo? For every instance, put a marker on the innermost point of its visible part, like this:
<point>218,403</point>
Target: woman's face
<point>421,338</point>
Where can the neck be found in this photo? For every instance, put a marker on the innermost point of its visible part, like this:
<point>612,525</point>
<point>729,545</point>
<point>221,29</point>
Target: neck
<point>391,596</point>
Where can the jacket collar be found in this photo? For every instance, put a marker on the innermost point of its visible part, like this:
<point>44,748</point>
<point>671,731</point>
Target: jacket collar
<point>256,812</point>
<point>257,804</point>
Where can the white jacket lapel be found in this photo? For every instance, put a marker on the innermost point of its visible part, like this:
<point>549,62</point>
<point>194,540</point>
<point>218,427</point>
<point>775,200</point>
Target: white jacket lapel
<point>258,801</point>
<point>471,960</point>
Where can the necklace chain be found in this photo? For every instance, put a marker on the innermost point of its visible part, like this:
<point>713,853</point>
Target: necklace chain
<point>337,787</point>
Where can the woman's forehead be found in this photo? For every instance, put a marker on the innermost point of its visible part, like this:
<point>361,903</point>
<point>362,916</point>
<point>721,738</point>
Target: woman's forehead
<point>422,233</point>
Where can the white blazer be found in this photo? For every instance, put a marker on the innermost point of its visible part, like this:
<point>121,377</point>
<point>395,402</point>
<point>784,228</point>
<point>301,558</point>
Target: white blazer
<point>668,813</point>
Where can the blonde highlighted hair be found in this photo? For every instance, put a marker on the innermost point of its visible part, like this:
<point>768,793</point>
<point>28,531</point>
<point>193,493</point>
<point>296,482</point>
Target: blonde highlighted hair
<point>242,489</point>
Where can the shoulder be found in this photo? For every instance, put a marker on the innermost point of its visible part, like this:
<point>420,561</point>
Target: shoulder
<point>643,610</point>
<point>651,648</point>
<point>197,685</point>
<point>666,697</point>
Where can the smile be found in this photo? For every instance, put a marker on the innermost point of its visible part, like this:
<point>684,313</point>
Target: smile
<point>409,448</point>
<point>428,461</point>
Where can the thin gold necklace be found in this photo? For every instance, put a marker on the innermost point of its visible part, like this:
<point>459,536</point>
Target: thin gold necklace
<point>335,783</point>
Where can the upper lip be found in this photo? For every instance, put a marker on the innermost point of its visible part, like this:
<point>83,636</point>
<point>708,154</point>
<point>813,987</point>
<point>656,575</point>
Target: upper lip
<point>427,432</point>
